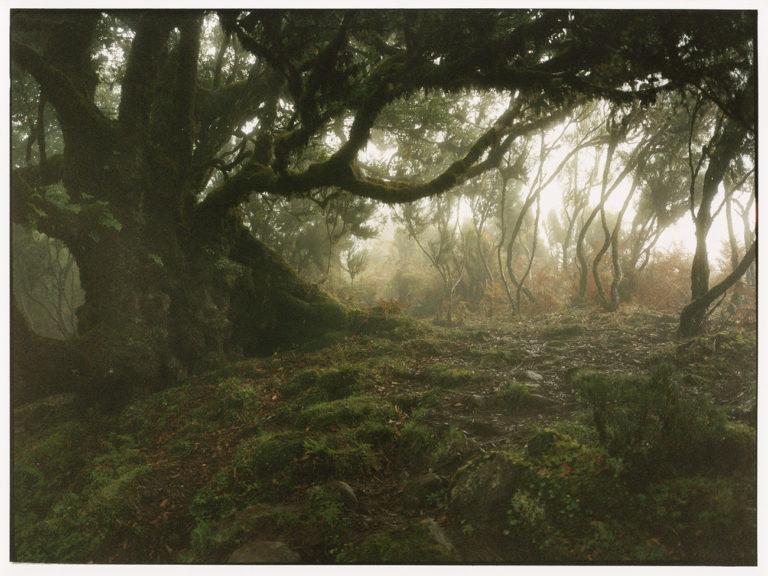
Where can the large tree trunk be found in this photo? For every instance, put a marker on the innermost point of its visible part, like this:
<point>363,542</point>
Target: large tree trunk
<point>154,313</point>
<point>170,288</point>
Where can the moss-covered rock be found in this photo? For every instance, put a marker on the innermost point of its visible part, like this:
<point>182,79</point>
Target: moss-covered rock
<point>481,490</point>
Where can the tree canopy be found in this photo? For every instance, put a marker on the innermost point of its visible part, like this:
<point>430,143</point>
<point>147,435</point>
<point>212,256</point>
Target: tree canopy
<point>140,136</point>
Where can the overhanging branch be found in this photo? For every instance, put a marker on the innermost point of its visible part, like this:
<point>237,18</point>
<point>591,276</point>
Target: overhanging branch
<point>77,114</point>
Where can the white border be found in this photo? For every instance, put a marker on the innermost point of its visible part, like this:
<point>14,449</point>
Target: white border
<point>7,568</point>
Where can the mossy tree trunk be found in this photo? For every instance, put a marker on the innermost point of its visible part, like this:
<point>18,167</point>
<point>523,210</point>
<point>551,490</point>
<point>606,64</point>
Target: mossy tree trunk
<point>167,291</point>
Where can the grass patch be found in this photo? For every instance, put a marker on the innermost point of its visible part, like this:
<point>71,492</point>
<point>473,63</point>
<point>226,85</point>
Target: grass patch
<point>316,385</point>
<point>345,412</point>
<point>444,376</point>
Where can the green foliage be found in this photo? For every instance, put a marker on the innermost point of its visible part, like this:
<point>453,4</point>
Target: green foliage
<point>77,524</point>
<point>657,428</point>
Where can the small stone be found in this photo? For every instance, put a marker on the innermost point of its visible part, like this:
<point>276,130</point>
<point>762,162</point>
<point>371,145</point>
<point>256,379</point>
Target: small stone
<point>264,552</point>
<point>533,376</point>
<point>344,493</point>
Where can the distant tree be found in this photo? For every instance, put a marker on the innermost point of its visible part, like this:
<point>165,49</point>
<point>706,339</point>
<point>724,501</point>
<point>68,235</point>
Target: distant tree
<point>355,262</point>
<point>435,229</point>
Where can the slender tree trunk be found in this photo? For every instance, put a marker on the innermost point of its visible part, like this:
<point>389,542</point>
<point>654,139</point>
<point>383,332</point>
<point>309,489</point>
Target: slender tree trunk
<point>724,146</point>
<point>749,237</point>
<point>532,253</point>
<point>693,315</point>
<point>612,242</point>
<point>502,237</point>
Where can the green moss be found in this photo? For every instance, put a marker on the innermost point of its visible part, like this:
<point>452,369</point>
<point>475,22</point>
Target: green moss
<point>712,521</point>
<point>513,396</point>
<point>379,320</point>
<point>416,444</point>
<point>380,435</point>
<point>78,523</point>
<point>212,540</point>
<point>272,465</point>
<point>339,455</point>
<point>495,357</point>
<point>262,467</point>
<point>414,545</point>
<point>445,376</point>
<point>345,412</point>
<point>146,415</point>
<point>325,516</point>
<point>317,385</point>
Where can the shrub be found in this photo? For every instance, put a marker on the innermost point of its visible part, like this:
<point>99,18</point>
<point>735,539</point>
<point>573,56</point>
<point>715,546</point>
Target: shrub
<point>657,428</point>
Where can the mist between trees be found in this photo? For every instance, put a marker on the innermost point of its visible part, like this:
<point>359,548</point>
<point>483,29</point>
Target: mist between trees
<point>491,163</point>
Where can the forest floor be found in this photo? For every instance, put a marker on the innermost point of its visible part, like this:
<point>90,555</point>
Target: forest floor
<point>568,438</point>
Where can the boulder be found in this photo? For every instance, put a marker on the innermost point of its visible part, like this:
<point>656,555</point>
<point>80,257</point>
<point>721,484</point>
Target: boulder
<point>481,490</point>
<point>264,552</point>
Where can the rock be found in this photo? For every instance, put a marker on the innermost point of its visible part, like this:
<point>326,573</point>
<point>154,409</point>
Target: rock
<point>482,489</point>
<point>344,493</point>
<point>264,552</point>
<point>419,488</point>
<point>439,536</point>
<point>533,376</point>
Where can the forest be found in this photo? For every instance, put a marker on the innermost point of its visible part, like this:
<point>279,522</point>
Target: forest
<point>374,286</point>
